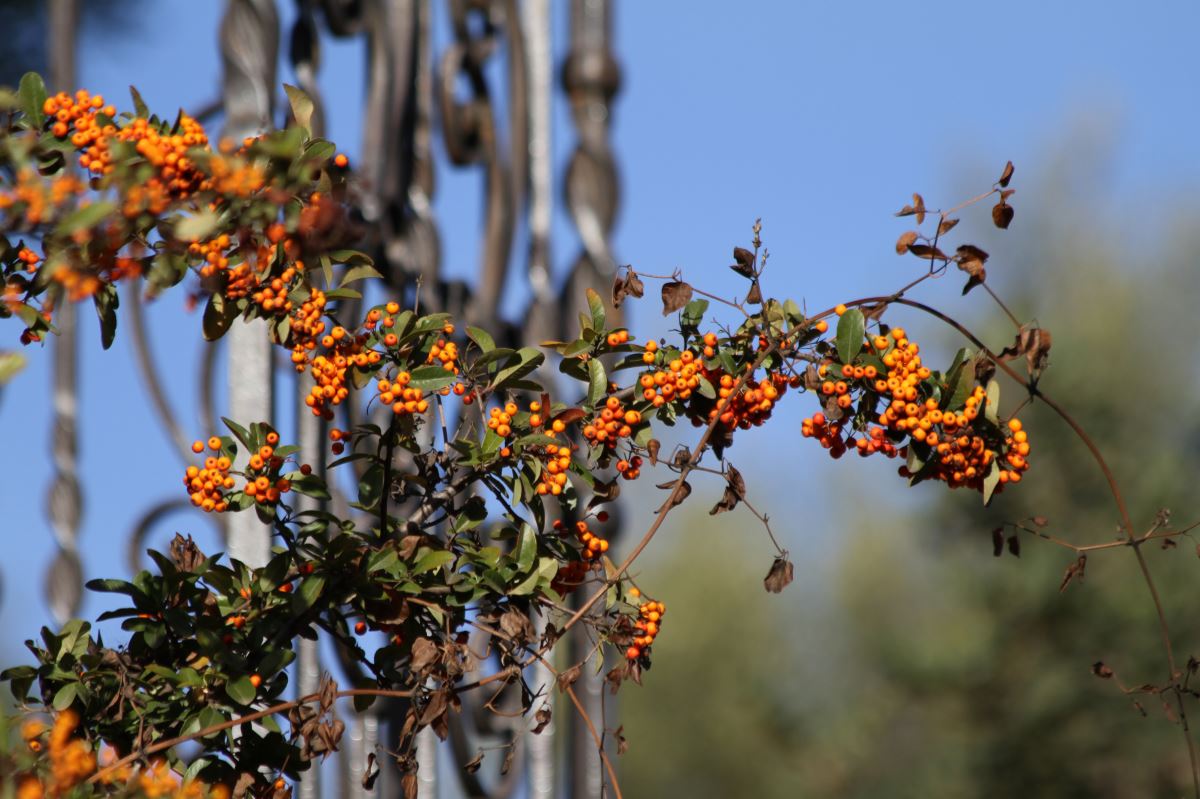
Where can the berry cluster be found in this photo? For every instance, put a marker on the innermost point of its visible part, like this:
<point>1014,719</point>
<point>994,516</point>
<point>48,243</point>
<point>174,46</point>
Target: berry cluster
<point>613,423</point>
<point>751,406</point>
<point>445,352</point>
<point>678,380</point>
<point>402,399</point>
<point>649,622</point>
<point>949,444</point>
<point>262,473</point>
<point>206,486</point>
<point>553,478</point>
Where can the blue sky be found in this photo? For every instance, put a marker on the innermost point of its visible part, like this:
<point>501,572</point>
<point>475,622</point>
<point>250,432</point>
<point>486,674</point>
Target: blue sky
<point>822,118</point>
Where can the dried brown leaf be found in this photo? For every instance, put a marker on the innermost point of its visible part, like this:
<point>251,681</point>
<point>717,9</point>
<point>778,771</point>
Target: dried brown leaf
<point>780,575</point>
<point>516,625</point>
<point>1006,175</point>
<point>971,259</point>
<point>1075,571</point>
<point>622,745</point>
<point>919,208</point>
<point>685,489</point>
<point>1101,670</point>
<point>652,448</point>
<point>1032,342</point>
<point>628,286</point>
<point>906,240</point>
<point>567,677</point>
<point>185,554</point>
<point>998,542</point>
<point>928,253</point>
<point>425,654</point>
<point>542,717</point>
<point>1014,545</point>
<point>754,296</point>
<point>506,765</point>
<point>735,491</point>
<point>744,262</point>
<point>472,765</point>
<point>1002,214</point>
<point>946,225</point>
<point>675,295</point>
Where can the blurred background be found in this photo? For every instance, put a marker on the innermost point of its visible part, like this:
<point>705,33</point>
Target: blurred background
<point>904,660</point>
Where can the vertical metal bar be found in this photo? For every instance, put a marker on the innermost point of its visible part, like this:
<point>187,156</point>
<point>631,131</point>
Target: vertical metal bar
<point>308,661</point>
<point>249,52</point>
<point>64,581</point>
<point>591,78</point>
<point>427,777</point>
<point>537,26</point>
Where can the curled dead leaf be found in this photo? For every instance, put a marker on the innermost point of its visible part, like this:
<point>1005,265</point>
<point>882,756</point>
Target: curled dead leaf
<point>1075,571</point>
<point>628,286</point>
<point>754,296</point>
<point>906,240</point>
<point>743,262</point>
<point>1002,215</point>
<point>675,295</point>
<point>928,253</point>
<point>780,574</point>
<point>1006,175</point>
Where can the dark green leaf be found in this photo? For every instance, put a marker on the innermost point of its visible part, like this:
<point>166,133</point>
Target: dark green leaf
<point>850,330</point>
<point>241,690</point>
<point>32,93</point>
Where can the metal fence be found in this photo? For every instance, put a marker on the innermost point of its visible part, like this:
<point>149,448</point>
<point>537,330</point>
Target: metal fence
<point>412,95</point>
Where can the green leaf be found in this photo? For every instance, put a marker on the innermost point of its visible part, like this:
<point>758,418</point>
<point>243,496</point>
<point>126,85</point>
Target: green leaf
<point>241,690</point>
<point>597,382</point>
<point>360,272</point>
<point>991,411</point>
<point>32,93</point>
<point>85,217</point>
<point>310,485</point>
<point>139,105</point>
<point>218,316</point>
<point>990,481</point>
<point>10,364</point>
<point>693,313</point>
<point>526,548</point>
<point>310,590</point>
<point>526,586</point>
<point>959,380</point>
<point>430,378</point>
<point>850,330</point>
<point>576,347</point>
<point>596,306</point>
<point>65,696</point>
<point>302,105</point>
<point>530,359</point>
<point>431,560</point>
<point>106,301</point>
<point>482,338</point>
